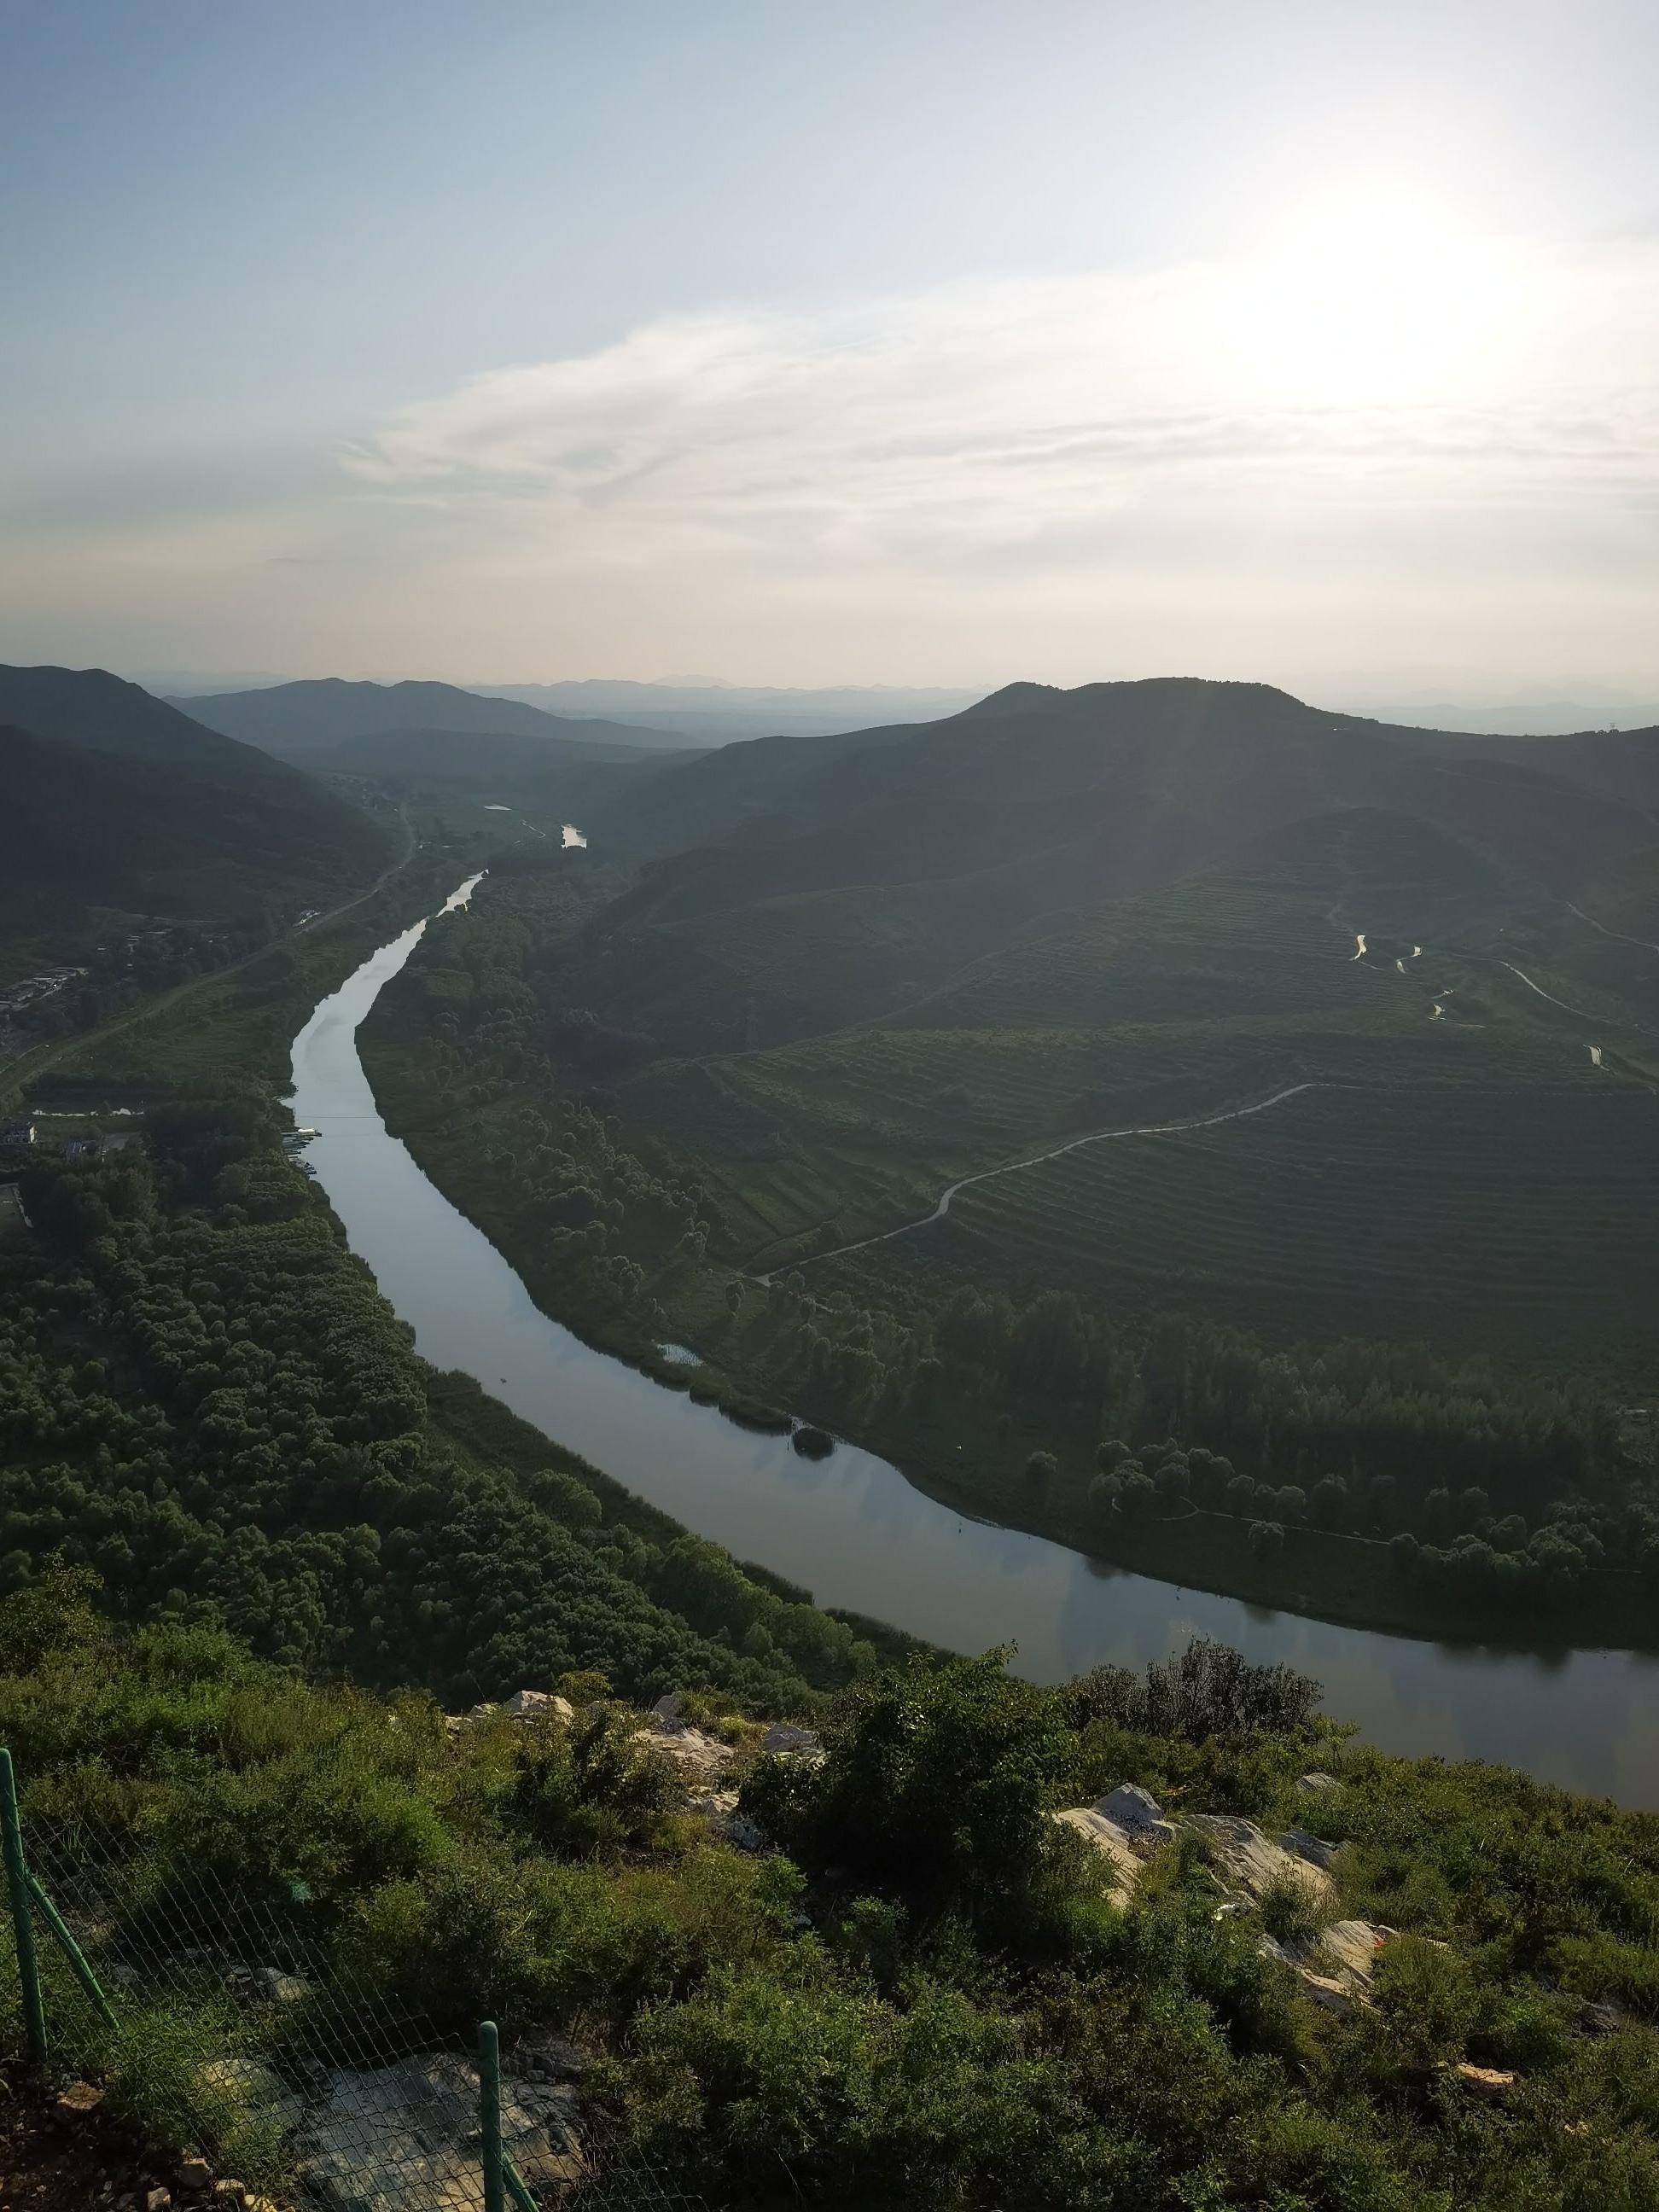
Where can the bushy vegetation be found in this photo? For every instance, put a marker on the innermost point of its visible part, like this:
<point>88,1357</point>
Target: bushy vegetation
<point>923,1993</point>
<point>203,1397</point>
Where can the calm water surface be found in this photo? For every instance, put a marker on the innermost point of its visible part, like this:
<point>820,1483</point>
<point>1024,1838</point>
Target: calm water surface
<point>855,1533</point>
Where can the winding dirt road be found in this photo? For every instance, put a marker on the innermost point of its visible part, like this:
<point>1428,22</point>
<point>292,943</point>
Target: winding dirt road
<point>1037,1159</point>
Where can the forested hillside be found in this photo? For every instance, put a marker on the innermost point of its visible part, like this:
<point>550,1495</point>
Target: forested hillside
<point>1155,1068</point>
<point>120,814</point>
<point>204,1398</point>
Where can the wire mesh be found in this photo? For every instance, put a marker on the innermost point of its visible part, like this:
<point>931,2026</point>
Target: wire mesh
<point>236,2031</point>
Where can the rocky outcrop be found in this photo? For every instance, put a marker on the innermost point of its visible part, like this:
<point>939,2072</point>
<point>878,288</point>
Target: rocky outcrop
<point>1126,1826</point>
<point>700,1759</point>
<point>522,1705</point>
<point>1316,1851</point>
<point>389,2136</point>
<point>783,1738</point>
<point>1105,1837</point>
<point>532,1705</point>
<point>1137,1812</point>
<point>1335,1967</point>
<point>719,1808</point>
<point>1247,1860</point>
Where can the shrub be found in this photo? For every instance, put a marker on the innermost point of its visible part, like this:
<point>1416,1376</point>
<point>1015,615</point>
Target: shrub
<point>588,1788</point>
<point>1209,1690</point>
<point>1288,1910</point>
<point>1426,2002</point>
<point>936,1786</point>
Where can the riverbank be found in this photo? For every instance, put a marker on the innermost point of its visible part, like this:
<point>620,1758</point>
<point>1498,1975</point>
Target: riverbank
<point>238,1020</point>
<point>948,1451</point>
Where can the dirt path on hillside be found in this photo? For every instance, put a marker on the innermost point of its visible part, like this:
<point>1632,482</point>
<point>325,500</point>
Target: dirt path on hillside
<point>1641,942</point>
<point>1582,1012</point>
<point>1035,1160</point>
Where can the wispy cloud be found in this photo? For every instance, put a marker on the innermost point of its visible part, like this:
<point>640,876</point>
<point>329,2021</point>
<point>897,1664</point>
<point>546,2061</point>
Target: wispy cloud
<point>1000,415</point>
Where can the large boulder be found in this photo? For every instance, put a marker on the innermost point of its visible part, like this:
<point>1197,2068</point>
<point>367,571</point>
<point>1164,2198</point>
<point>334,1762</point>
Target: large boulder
<point>700,1759</point>
<point>1136,1811</point>
<point>1314,1848</point>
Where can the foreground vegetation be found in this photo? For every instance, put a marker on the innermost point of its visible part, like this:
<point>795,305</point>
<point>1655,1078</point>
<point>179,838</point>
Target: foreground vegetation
<point>921,1990</point>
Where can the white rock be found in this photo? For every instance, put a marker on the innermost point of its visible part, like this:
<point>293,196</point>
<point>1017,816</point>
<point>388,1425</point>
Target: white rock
<point>382,2139</point>
<point>251,2086</point>
<point>529,1705</point>
<point>1252,1863</point>
<point>699,1758</point>
<point>784,1736</point>
<point>1332,1995</point>
<point>1334,1967</point>
<point>1132,1808</point>
<point>1317,1781</point>
<point>1353,1945</point>
<point>1314,1849</point>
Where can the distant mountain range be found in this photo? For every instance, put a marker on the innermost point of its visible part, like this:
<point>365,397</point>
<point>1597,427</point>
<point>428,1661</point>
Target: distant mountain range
<point>706,713</point>
<point>1532,713</point>
<point>112,798</point>
<point>306,721</point>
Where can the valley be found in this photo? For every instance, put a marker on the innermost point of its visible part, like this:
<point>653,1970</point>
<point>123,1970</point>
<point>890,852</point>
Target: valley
<point>1150,1287</point>
<point>1204,1144</point>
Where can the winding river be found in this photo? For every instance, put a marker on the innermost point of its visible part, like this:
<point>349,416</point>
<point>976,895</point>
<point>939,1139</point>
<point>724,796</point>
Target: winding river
<point>855,1533</point>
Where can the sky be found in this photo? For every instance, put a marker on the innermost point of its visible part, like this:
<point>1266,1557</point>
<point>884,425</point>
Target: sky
<point>788,344</point>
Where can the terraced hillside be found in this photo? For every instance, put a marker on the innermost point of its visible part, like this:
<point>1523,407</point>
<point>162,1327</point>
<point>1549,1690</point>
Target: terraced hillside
<point>1457,1084</point>
<point>1474,1217</point>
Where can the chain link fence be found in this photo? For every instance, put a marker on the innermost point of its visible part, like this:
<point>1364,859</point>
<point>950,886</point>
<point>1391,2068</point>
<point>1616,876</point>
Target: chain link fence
<point>231,2031</point>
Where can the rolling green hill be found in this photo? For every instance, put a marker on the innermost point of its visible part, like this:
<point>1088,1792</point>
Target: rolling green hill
<point>881,863</point>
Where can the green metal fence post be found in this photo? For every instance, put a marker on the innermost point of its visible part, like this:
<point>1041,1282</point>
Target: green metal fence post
<point>72,1952</point>
<point>517,2187</point>
<point>17,1886</point>
<point>489,2116</point>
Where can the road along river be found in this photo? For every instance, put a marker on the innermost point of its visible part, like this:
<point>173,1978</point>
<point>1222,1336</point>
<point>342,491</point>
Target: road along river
<point>855,1533</point>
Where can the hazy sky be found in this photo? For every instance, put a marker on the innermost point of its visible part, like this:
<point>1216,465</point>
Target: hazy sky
<point>798,344</point>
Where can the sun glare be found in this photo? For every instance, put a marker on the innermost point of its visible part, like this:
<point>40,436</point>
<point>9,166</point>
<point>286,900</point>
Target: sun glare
<point>1368,294</point>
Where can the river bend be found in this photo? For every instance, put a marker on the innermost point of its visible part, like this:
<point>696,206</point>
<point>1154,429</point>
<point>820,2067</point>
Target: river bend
<point>855,1533</point>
